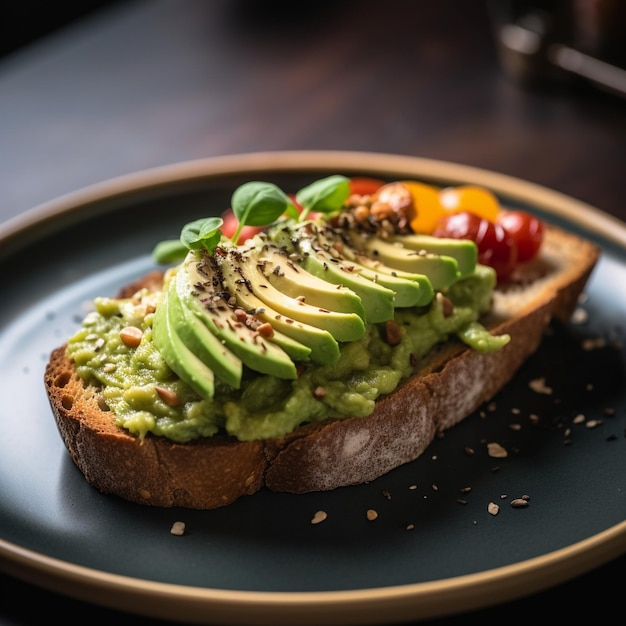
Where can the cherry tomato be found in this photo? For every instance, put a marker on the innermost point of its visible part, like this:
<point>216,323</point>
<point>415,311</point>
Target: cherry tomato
<point>427,206</point>
<point>526,230</point>
<point>495,246</point>
<point>230,226</point>
<point>364,185</point>
<point>477,200</point>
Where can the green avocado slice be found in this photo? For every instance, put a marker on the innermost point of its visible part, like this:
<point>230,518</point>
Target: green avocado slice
<point>442,270</point>
<point>283,271</point>
<point>342,326</point>
<point>178,357</point>
<point>296,350</point>
<point>377,299</point>
<point>195,285</point>
<point>464,251</point>
<point>201,341</point>
<point>324,348</point>
<point>410,289</point>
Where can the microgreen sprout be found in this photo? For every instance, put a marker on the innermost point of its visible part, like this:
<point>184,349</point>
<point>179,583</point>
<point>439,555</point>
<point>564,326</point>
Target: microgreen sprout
<point>256,204</point>
<point>259,204</point>
<point>323,196</point>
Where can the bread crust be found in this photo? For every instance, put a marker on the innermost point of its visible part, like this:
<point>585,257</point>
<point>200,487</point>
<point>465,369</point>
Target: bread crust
<point>448,385</point>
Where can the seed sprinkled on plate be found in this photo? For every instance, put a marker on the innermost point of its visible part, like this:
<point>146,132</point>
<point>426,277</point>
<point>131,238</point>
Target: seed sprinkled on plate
<point>496,451</point>
<point>493,508</point>
<point>539,386</point>
<point>593,423</point>
<point>371,514</point>
<point>319,517</point>
<point>178,528</point>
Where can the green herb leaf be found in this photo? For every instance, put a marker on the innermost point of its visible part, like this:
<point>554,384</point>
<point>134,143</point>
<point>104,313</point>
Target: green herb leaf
<point>258,204</point>
<point>326,195</point>
<point>203,233</point>
<point>169,251</point>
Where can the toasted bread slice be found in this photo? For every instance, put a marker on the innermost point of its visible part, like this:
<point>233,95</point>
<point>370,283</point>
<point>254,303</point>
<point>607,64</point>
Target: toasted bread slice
<point>448,386</point>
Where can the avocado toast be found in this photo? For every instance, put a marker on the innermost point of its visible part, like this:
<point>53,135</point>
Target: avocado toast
<point>309,357</point>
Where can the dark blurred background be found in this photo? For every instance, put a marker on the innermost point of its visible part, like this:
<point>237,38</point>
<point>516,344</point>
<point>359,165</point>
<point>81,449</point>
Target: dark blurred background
<point>25,21</point>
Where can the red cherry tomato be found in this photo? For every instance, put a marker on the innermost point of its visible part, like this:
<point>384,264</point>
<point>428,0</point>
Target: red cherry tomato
<point>495,246</point>
<point>526,230</point>
<point>364,185</point>
<point>230,226</point>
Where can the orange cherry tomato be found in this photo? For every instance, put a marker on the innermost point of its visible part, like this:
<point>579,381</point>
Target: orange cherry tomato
<point>471,198</point>
<point>427,208</point>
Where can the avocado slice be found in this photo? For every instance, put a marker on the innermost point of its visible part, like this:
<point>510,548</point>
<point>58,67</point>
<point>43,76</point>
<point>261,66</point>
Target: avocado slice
<point>196,288</point>
<point>464,251</point>
<point>410,289</point>
<point>317,258</point>
<point>296,350</point>
<point>178,357</point>
<point>342,326</point>
<point>284,273</point>
<point>323,347</point>
<point>201,341</point>
<point>442,270</point>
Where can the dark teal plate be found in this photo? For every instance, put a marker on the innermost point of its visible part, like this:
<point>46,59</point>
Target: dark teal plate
<point>434,549</point>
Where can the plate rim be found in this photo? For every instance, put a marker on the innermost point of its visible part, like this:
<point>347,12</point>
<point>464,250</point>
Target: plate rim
<point>423,600</point>
<point>593,219</point>
<point>369,606</point>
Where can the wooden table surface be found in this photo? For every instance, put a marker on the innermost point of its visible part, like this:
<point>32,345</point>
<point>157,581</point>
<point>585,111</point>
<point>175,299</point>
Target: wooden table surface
<point>147,83</point>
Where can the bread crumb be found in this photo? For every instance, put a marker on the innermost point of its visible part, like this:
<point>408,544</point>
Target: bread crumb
<point>496,451</point>
<point>593,423</point>
<point>319,517</point>
<point>178,528</point>
<point>493,508</point>
<point>592,344</point>
<point>372,514</point>
<point>539,386</point>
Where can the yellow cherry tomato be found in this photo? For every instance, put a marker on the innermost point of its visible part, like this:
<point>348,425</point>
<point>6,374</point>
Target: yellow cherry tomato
<point>427,207</point>
<point>470,198</point>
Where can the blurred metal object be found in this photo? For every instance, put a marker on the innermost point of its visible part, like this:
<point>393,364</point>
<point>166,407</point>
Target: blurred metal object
<point>558,41</point>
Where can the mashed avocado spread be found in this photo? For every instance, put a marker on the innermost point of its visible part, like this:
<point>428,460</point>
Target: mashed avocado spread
<point>306,322</point>
<point>267,406</point>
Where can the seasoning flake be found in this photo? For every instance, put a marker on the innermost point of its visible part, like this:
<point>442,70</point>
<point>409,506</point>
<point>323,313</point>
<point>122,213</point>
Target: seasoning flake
<point>319,517</point>
<point>178,529</point>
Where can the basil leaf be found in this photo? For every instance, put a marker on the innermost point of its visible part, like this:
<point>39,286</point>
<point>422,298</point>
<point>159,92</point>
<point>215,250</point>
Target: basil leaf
<point>170,251</point>
<point>325,195</point>
<point>259,204</point>
<point>203,233</point>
